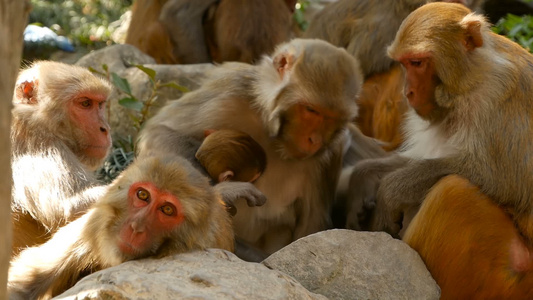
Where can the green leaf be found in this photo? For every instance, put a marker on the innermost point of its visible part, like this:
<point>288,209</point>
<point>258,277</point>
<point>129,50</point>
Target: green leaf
<point>175,86</point>
<point>131,103</point>
<point>104,66</point>
<point>121,83</point>
<point>148,71</point>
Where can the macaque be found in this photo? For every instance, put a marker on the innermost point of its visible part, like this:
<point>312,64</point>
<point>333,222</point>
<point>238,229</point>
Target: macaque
<point>469,91</point>
<point>59,136</point>
<point>201,31</point>
<point>231,155</point>
<point>382,106</point>
<point>158,206</point>
<point>365,28</point>
<point>296,105</point>
<point>485,259</point>
<point>148,34</point>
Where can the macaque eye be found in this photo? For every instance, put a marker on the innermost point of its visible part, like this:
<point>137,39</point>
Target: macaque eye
<point>86,103</point>
<point>311,110</point>
<point>167,210</point>
<point>415,63</point>
<point>143,194</point>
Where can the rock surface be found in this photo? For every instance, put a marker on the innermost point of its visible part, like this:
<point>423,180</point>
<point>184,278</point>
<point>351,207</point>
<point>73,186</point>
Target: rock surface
<point>210,274</point>
<point>334,264</point>
<point>345,264</point>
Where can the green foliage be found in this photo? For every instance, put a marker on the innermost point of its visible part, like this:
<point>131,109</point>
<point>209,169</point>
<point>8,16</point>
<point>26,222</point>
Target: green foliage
<point>140,109</point>
<point>84,22</point>
<point>299,14</point>
<point>517,28</point>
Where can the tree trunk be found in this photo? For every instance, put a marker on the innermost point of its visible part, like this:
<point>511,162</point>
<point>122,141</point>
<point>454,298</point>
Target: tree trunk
<point>13,19</point>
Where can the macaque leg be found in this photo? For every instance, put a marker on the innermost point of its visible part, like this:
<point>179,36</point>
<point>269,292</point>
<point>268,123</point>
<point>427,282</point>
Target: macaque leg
<point>470,245</point>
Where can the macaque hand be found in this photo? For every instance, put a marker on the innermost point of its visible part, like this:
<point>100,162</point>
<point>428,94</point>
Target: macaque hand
<point>230,191</point>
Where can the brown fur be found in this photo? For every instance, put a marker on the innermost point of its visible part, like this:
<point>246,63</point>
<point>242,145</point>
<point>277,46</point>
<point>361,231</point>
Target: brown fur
<point>303,140</point>
<point>89,243</point>
<point>148,34</point>
<point>382,107</point>
<point>467,242</point>
<point>234,151</point>
<point>199,31</point>
<point>52,174</point>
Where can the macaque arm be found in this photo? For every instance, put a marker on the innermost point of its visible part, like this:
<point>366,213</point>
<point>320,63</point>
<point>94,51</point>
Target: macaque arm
<point>56,202</point>
<point>405,189</point>
<point>51,267</point>
<point>230,191</point>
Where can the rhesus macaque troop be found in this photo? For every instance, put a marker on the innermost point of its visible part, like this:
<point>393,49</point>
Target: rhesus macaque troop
<point>276,140</point>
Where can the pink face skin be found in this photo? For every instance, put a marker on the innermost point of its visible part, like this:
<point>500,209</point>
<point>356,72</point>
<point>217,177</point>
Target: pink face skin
<point>420,83</point>
<point>88,112</point>
<point>312,126</point>
<point>152,214</point>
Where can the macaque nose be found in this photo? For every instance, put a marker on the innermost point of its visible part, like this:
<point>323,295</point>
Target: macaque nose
<point>103,129</point>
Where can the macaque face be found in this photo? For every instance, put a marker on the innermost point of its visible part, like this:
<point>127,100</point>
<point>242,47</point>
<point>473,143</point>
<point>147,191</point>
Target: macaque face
<point>307,129</point>
<point>152,215</point>
<point>87,113</point>
<point>420,83</point>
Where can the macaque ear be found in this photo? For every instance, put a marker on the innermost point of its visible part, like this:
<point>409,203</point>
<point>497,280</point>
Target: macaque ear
<point>26,92</point>
<point>225,176</point>
<point>472,25</point>
<point>207,132</point>
<point>284,61</point>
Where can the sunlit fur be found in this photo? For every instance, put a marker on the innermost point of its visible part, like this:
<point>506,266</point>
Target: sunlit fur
<point>52,180</point>
<point>90,243</point>
<point>483,89</point>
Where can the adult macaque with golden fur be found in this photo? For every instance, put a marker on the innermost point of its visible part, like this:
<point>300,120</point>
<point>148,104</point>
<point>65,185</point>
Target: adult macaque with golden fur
<point>157,207</point>
<point>200,31</point>
<point>231,155</point>
<point>470,93</point>
<point>296,105</point>
<point>59,136</point>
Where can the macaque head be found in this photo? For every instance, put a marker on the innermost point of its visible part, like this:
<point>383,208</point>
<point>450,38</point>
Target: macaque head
<point>231,155</point>
<point>68,101</point>
<point>438,46</point>
<point>157,206</point>
<point>308,95</point>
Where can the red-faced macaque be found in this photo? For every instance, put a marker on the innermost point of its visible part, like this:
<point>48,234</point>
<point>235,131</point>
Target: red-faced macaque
<point>469,90</point>
<point>231,155</point>
<point>296,105</point>
<point>365,28</point>
<point>59,136</point>
<point>470,245</point>
<point>158,206</point>
<point>200,31</point>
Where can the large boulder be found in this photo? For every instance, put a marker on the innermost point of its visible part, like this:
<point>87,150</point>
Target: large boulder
<point>211,274</point>
<point>345,264</point>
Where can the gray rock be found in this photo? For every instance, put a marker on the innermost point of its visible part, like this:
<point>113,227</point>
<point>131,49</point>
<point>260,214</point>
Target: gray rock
<point>121,59</point>
<point>345,264</point>
<point>210,274</point>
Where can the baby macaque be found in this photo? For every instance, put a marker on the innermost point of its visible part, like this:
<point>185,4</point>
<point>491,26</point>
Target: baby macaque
<point>231,155</point>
